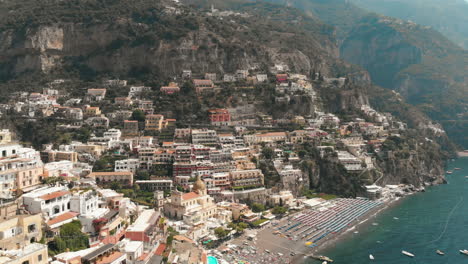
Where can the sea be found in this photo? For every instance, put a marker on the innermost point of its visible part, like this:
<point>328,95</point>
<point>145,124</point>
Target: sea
<point>420,224</point>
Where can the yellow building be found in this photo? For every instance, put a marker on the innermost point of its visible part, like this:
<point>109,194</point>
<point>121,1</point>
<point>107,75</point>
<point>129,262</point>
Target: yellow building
<point>154,122</point>
<point>91,111</point>
<point>194,207</point>
<point>5,136</point>
<point>32,254</point>
<point>20,231</point>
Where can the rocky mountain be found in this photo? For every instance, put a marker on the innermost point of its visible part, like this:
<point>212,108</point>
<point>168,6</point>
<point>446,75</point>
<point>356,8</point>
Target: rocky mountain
<point>446,16</point>
<point>150,42</point>
<point>125,38</point>
<point>418,62</point>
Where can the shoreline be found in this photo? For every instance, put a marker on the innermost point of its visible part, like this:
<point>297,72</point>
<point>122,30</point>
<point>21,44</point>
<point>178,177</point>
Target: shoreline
<point>358,226</point>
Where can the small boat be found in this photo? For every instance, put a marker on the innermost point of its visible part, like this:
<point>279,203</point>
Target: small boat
<point>375,224</point>
<point>449,172</point>
<point>464,251</point>
<point>324,262</point>
<point>466,176</point>
<point>371,257</point>
<point>407,254</point>
<point>356,232</point>
<point>325,259</point>
<point>396,218</point>
<point>457,169</point>
<point>440,252</point>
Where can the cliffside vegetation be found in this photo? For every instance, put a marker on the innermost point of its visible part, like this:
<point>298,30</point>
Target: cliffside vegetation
<point>448,16</point>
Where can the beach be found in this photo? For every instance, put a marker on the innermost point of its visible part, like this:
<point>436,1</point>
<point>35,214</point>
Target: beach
<point>270,246</point>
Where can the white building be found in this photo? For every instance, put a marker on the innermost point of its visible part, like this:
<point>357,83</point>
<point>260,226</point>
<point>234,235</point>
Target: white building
<point>127,165</point>
<point>50,201</point>
<point>84,202</point>
<point>204,137</point>
<point>133,249</point>
<point>113,134</point>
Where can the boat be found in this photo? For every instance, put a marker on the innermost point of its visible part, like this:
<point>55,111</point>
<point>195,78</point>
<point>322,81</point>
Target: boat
<point>440,252</point>
<point>466,176</point>
<point>464,251</point>
<point>457,169</point>
<point>324,262</point>
<point>449,172</point>
<point>396,218</point>
<point>371,257</point>
<point>407,254</point>
<point>325,259</point>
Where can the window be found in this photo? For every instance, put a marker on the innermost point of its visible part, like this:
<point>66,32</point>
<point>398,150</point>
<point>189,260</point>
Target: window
<point>39,258</point>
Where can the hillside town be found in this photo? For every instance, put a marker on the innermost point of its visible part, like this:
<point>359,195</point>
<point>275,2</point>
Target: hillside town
<point>128,183</point>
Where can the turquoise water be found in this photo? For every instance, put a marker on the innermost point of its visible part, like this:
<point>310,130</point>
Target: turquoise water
<point>436,219</point>
<point>212,260</point>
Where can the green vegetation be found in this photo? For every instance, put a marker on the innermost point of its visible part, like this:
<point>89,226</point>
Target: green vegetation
<point>221,232</point>
<point>279,210</point>
<point>258,222</point>
<point>70,237</point>
<point>239,227</point>
<point>311,194</point>
<point>257,208</point>
<point>448,17</point>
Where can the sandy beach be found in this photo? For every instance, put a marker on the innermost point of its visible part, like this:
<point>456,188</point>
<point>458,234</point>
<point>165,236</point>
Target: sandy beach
<point>270,247</point>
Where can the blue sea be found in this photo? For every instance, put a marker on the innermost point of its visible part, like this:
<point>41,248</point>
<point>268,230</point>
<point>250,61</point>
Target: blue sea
<point>420,224</point>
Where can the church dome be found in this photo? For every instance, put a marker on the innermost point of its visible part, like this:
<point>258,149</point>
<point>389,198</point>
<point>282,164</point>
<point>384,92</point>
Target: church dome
<point>199,186</point>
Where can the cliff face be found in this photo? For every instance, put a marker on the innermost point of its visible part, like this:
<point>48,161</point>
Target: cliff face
<point>384,55</point>
<point>163,46</point>
<point>420,64</point>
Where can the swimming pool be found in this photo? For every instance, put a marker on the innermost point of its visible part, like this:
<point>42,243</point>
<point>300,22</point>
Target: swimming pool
<point>212,260</point>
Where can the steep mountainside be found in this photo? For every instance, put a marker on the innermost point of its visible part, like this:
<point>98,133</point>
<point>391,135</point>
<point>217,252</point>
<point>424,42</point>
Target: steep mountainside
<point>151,42</point>
<point>450,17</point>
<point>417,61</point>
<point>137,37</point>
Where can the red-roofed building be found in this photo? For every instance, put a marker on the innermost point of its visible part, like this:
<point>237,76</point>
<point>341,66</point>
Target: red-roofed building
<point>53,195</point>
<point>219,117</point>
<point>281,78</point>
<point>62,219</point>
<point>170,89</point>
<point>189,196</point>
<point>160,250</point>
<point>203,85</point>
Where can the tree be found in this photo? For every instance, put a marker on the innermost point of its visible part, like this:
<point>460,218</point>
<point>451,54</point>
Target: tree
<point>138,115</point>
<point>221,232</point>
<point>142,175</point>
<point>268,153</point>
<point>70,237</point>
<point>257,208</point>
<point>278,210</point>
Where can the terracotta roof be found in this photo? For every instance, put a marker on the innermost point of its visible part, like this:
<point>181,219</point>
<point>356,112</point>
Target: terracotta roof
<point>183,238</point>
<point>142,257</point>
<point>160,249</point>
<point>54,195</point>
<point>190,195</point>
<point>109,259</point>
<point>63,217</point>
